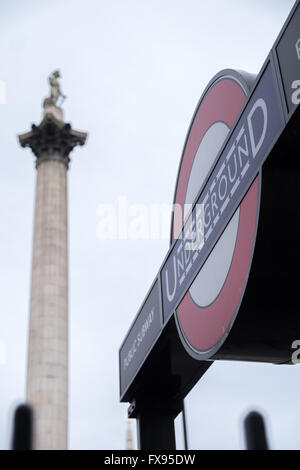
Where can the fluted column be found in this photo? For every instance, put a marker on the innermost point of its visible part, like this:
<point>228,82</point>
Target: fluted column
<point>47,375</point>
<point>47,369</point>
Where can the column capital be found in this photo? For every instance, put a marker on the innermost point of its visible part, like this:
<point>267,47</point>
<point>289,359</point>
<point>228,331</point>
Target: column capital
<point>52,139</point>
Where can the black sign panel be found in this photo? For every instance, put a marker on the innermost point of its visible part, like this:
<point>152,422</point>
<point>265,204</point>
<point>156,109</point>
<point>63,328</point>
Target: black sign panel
<point>288,52</point>
<point>141,337</point>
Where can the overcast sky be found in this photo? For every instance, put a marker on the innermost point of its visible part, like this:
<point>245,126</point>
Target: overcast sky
<point>133,71</point>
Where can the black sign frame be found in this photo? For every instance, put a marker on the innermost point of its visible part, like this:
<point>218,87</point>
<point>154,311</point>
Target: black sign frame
<point>286,115</point>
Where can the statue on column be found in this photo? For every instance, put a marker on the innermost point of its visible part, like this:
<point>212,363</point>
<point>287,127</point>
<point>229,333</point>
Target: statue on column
<point>55,91</point>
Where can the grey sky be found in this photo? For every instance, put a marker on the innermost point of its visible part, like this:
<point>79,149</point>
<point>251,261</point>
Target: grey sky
<point>133,71</point>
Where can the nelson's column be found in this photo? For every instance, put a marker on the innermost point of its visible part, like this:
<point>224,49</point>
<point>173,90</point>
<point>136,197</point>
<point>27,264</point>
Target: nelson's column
<point>47,370</point>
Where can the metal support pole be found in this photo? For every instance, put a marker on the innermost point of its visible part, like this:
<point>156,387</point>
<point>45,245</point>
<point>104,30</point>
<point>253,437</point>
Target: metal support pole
<point>255,432</point>
<point>186,446</point>
<point>155,431</point>
<point>23,428</point>
<point>155,422</point>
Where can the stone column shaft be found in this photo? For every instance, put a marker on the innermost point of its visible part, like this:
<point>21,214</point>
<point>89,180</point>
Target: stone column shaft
<point>47,376</point>
<point>47,371</point>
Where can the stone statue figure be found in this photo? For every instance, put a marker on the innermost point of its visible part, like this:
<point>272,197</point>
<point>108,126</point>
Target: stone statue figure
<point>55,91</point>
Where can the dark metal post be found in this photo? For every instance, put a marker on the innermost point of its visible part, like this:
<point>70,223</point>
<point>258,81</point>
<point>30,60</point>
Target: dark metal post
<point>255,432</point>
<point>186,446</point>
<point>155,422</point>
<point>23,428</point>
<point>156,431</point>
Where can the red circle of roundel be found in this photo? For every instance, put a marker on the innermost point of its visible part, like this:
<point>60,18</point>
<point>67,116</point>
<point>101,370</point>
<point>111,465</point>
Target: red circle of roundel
<point>202,328</point>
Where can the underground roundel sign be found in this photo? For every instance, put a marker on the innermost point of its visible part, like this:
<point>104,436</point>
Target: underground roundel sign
<point>207,311</point>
